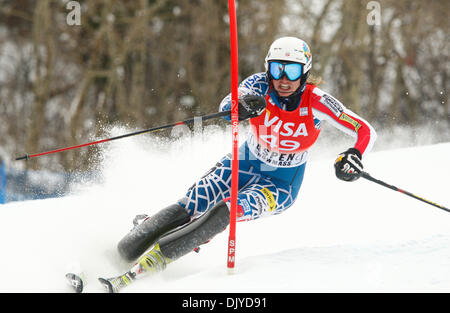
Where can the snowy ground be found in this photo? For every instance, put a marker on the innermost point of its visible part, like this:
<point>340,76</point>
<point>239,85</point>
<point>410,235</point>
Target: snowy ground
<point>338,236</point>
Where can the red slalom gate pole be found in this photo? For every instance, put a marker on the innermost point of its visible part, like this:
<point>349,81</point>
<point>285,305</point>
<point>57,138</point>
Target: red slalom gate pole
<point>235,133</point>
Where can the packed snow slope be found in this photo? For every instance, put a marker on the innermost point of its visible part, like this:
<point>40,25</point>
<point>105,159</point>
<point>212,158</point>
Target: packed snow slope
<point>337,237</point>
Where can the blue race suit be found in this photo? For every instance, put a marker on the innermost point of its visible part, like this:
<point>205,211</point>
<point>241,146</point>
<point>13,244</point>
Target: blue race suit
<point>269,178</point>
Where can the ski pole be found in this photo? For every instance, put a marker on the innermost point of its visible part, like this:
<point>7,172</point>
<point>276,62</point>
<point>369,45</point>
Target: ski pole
<point>368,177</point>
<point>188,121</point>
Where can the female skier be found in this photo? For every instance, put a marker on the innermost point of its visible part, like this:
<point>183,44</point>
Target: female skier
<point>285,111</point>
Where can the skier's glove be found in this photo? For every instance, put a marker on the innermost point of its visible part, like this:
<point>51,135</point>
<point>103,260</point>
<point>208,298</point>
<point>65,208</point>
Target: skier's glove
<point>251,106</point>
<point>348,165</point>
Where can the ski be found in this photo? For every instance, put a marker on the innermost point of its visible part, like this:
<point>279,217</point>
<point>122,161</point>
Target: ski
<point>76,282</point>
<point>107,285</point>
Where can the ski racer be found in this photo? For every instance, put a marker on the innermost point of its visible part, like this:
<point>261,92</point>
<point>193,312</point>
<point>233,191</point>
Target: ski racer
<point>285,111</point>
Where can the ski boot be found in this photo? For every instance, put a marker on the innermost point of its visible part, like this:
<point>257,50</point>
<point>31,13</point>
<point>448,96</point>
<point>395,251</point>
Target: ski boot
<point>151,262</point>
<point>113,285</point>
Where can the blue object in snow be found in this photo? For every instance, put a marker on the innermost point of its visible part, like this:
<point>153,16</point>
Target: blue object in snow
<point>2,182</point>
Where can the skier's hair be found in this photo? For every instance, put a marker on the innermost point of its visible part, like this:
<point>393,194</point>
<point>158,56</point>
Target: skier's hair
<point>314,80</point>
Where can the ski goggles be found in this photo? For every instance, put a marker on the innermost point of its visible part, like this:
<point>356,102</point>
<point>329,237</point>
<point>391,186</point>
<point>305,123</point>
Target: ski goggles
<point>293,71</point>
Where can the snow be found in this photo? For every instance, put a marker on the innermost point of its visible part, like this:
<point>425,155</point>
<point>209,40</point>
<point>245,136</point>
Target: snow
<point>337,237</point>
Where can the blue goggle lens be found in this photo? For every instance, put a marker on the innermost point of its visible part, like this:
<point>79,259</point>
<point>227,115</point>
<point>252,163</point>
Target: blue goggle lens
<point>293,71</point>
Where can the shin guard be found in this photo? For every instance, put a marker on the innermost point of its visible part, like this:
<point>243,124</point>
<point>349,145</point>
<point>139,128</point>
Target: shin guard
<point>185,239</point>
<point>143,236</point>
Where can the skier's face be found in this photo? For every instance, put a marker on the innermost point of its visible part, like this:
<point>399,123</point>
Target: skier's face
<point>285,87</point>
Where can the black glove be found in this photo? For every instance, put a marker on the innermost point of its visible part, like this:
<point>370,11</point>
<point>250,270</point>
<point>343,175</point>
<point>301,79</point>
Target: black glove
<point>251,106</point>
<point>348,165</point>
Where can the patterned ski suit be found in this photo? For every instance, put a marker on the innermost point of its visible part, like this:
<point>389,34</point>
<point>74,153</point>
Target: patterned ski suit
<point>273,158</point>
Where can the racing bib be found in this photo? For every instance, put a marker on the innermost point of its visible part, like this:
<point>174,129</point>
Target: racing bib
<point>281,138</point>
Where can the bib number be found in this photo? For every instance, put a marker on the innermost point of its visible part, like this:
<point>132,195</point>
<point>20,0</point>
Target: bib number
<point>285,144</point>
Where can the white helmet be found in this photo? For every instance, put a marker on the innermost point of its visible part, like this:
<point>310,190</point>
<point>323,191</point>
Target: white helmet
<point>290,49</point>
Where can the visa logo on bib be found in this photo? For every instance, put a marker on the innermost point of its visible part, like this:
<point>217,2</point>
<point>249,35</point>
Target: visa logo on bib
<point>288,127</point>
